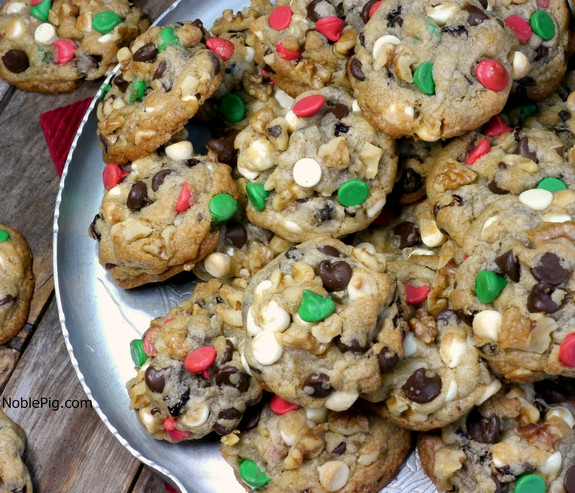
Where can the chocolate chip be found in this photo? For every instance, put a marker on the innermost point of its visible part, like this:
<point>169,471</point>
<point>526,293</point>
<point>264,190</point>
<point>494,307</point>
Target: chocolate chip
<point>92,231</point>
<point>564,115</point>
<point>496,189</point>
<point>408,234</point>
<point>340,449</point>
<point>120,82</point>
<point>223,148</point>
<point>569,480</point>
<point>230,413</point>
<point>216,63</point>
<point>394,17</point>
<point>325,213</point>
<point>16,61</point>
<point>146,53</point>
<point>365,11</point>
<point>155,381</point>
<point>329,250</point>
<point>420,388</point>
<point>475,15</point>
<point>523,149</point>
<point>481,428</point>
<point>336,276</point>
<point>387,359</point>
<point>236,234</point>
<point>553,390</point>
<point>232,377</point>
<point>275,131</point>
<point>541,53</point>
<point>540,300</point>
<point>509,264</point>
<point>409,182</point>
<point>6,299</point>
<point>339,110</point>
<point>159,178</point>
<point>454,30</point>
<point>354,346</point>
<point>176,409</point>
<point>312,14</point>
<point>138,196</point>
<point>340,128</point>
<point>549,269</point>
<point>355,68</point>
<point>160,69</point>
<point>318,385</point>
<point>228,353</point>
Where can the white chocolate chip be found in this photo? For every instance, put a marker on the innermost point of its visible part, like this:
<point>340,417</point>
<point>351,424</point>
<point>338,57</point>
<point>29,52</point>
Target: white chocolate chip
<point>487,224</point>
<point>259,155</point>
<point>218,265</point>
<point>409,345</point>
<point>361,284</point>
<point>244,361</point>
<point>375,209</point>
<point>261,287</point>
<point>452,350</point>
<point>110,37</point>
<point>250,52</point>
<point>562,413</point>
<point>333,475</point>
<point>246,173</point>
<point>45,34</point>
<point>283,98</point>
<point>293,227</point>
<point>536,198</point>
<point>442,13</point>
<point>340,400</point>
<point>367,246</point>
<point>251,326</point>
<point>431,236</point>
<point>380,42</point>
<point>266,349</point>
<point>180,151</point>
<point>292,120</point>
<point>318,415</point>
<point>194,416</point>
<point>355,106</point>
<point>521,65</point>
<point>420,251</point>
<point>15,8</point>
<point>14,29</point>
<point>550,468</point>
<point>451,393</point>
<point>489,391</point>
<point>556,218</point>
<point>487,324</point>
<point>307,172</point>
<point>273,317</point>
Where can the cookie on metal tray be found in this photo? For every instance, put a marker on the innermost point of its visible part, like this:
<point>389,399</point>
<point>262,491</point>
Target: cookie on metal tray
<point>166,75</point>
<point>16,282</point>
<point>191,380</point>
<point>161,214</point>
<point>297,449</point>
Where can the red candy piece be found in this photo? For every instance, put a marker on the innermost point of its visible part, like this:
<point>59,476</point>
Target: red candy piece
<point>112,175</point>
<point>222,47</point>
<point>183,203</point>
<point>567,350</point>
<point>482,148</point>
<point>280,18</point>
<point>520,27</point>
<point>330,26</point>
<point>65,49</point>
<point>542,4</point>
<point>201,359</point>
<point>416,294</point>
<point>309,106</point>
<point>373,8</point>
<point>148,345</point>
<point>169,488</point>
<point>492,75</point>
<point>496,126</point>
<point>287,54</point>
<point>281,406</point>
<point>171,430</point>
<point>35,2</point>
<point>385,216</point>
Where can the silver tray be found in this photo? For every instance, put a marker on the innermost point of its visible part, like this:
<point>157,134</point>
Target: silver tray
<point>99,320</point>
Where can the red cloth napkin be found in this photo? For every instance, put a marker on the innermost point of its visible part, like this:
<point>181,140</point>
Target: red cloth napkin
<point>60,126</point>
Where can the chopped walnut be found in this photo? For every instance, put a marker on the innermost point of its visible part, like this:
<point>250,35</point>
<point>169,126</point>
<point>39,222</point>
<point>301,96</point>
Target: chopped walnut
<point>453,176</point>
<point>348,422</point>
<point>423,325</point>
<point>309,445</point>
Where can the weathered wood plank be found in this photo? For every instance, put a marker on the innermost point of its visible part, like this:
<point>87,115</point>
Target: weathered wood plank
<point>149,481</point>
<point>68,449</point>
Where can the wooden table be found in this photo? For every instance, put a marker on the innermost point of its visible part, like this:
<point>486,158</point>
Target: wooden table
<point>68,450</point>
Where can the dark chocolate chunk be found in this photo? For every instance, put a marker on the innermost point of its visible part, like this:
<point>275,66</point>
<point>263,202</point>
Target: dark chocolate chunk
<point>340,449</point>
<point>483,429</point>
<point>365,11</point>
<point>329,250</point>
<point>408,234</point>
<point>318,384</point>
<point>355,68</point>
<point>387,359</point>
<point>160,69</point>
<point>232,377</point>
<point>509,264</point>
<point>236,234</point>
<point>312,14</point>
<point>339,110</point>
<point>138,196</point>
<point>475,15</point>
<point>159,178</point>
<point>120,82</point>
<point>336,276</point>
<point>549,269</point>
<point>454,30</point>
<point>496,189</point>
<point>223,148</point>
<point>275,131</point>
<point>540,300</point>
<point>421,388</point>
<point>523,149</point>
<point>16,61</point>
<point>146,53</point>
<point>569,480</point>
<point>230,413</point>
<point>176,409</point>
<point>154,379</point>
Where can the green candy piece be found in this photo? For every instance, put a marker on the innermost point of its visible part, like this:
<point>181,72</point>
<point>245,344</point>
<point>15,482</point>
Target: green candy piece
<point>104,22</point>
<point>41,10</point>
<point>232,108</point>
<point>4,235</point>
<point>530,483</point>
<point>488,286</point>
<point>353,192</point>
<point>314,308</point>
<point>137,352</point>
<point>138,90</point>
<point>542,24</point>
<point>104,91</point>
<point>433,28</point>
<point>552,184</point>
<point>423,78</point>
<point>252,475</point>
<point>168,37</point>
<point>222,207</point>
<point>527,110</point>
<point>257,195</point>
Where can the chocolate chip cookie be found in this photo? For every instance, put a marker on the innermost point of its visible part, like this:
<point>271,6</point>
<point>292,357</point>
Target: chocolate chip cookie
<point>193,381</point>
<point>16,282</point>
<point>14,474</point>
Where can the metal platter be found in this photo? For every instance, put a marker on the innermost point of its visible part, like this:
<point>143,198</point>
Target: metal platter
<point>99,320</point>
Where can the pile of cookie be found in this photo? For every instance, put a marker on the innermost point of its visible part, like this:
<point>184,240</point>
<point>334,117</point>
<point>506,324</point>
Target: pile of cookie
<point>377,200</point>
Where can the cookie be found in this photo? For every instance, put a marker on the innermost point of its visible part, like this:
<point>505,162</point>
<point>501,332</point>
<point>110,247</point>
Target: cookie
<point>516,285</point>
<point>325,314</point>
<point>165,76</point>
<point>480,168</point>
<point>32,56</point>
<point>16,282</point>
<point>193,381</point>
<point>99,29</point>
<point>432,71</point>
<point>542,30</point>
<point>160,214</point>
<point>317,169</point>
<point>14,474</point>
<point>304,44</point>
<point>516,441</point>
<point>303,450</point>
